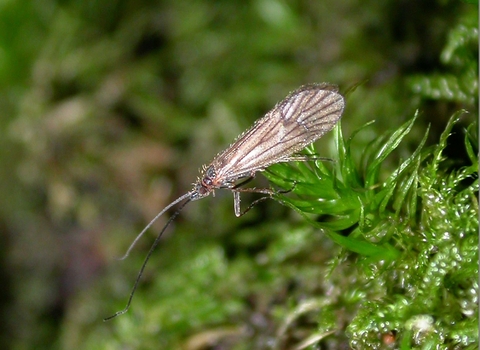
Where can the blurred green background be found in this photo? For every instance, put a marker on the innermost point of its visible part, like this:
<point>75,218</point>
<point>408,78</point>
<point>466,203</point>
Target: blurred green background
<point>110,108</point>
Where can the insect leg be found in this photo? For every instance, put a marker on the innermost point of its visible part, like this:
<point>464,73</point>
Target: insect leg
<point>246,181</point>
<point>236,204</point>
<point>268,191</point>
<point>236,189</point>
<point>239,213</point>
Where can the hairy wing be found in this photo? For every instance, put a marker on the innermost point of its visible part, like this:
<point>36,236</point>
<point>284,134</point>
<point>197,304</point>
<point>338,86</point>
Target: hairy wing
<point>300,119</point>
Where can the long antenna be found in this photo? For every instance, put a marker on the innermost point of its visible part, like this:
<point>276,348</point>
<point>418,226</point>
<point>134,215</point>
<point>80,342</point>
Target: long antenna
<point>151,223</point>
<point>300,119</point>
<point>150,252</point>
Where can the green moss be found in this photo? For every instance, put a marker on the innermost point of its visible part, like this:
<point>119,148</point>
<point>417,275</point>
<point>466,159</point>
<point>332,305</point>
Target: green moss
<point>415,236</point>
<point>109,108</point>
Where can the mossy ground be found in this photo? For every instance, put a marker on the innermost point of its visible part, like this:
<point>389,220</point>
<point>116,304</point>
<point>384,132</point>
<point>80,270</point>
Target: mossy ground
<point>110,108</point>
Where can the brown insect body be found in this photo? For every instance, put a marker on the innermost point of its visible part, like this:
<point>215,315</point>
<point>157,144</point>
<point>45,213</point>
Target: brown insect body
<point>301,118</point>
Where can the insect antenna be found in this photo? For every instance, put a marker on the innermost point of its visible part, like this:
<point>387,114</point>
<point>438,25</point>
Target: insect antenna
<point>153,220</point>
<point>152,248</point>
<point>301,118</point>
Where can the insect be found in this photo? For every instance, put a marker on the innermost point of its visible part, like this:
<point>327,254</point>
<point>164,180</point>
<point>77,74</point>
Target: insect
<point>301,118</point>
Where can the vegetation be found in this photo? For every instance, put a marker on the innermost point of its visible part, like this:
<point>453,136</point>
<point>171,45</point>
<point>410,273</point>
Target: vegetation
<point>110,108</point>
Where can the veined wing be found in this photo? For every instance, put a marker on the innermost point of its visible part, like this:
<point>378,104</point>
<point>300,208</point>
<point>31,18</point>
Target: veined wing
<point>300,119</point>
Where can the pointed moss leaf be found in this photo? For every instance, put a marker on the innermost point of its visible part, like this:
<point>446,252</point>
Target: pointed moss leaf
<point>387,148</point>
<point>471,145</point>
<point>348,169</point>
<point>409,165</point>
<point>437,154</point>
<point>362,247</point>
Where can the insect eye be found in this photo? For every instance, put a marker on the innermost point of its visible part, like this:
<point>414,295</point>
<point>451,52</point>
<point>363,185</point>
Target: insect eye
<point>210,172</point>
<point>202,191</point>
<point>198,193</point>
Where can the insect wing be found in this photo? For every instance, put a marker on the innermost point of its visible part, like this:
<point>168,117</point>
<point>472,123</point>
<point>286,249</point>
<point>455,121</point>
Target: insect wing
<point>300,119</point>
